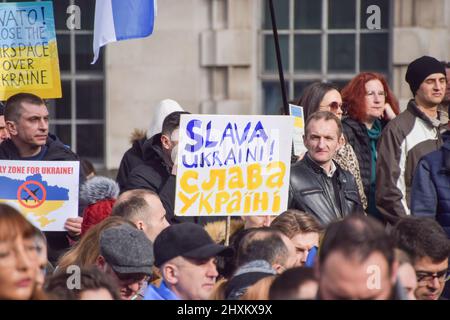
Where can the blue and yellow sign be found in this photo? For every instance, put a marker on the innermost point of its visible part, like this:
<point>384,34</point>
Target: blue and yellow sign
<point>28,51</point>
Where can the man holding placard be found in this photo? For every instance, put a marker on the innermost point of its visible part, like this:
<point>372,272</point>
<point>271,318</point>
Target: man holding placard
<point>27,121</point>
<point>318,185</point>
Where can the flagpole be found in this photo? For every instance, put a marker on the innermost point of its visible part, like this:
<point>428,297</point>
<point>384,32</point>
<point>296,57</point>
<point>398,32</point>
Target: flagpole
<point>279,62</point>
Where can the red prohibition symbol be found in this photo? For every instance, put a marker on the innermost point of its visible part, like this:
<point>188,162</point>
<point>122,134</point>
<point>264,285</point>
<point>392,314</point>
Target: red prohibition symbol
<point>31,194</point>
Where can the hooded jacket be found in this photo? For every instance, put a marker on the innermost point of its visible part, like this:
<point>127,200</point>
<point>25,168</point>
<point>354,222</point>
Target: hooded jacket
<point>430,193</point>
<point>145,166</point>
<point>56,151</point>
<point>132,158</point>
<point>155,174</point>
<point>403,142</point>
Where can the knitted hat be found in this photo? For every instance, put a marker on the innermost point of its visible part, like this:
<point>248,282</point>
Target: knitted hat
<point>95,213</point>
<point>99,188</point>
<point>420,69</point>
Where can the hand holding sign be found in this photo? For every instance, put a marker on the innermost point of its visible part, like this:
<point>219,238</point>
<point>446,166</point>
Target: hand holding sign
<point>73,226</point>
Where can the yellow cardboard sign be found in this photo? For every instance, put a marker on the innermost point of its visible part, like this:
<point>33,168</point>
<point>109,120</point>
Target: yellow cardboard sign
<point>28,51</point>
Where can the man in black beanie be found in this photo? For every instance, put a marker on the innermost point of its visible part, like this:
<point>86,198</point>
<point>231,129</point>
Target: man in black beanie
<point>412,134</point>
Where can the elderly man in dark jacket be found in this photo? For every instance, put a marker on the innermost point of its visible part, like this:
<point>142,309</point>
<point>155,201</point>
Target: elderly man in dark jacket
<point>431,186</point>
<point>317,184</point>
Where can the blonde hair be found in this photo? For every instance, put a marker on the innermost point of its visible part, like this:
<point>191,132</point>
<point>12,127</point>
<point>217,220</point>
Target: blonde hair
<point>259,290</point>
<point>87,250</point>
<point>218,292</point>
<point>12,225</point>
<point>293,222</point>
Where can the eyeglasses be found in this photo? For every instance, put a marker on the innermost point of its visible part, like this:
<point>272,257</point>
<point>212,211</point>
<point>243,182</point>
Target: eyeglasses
<point>424,278</point>
<point>371,94</point>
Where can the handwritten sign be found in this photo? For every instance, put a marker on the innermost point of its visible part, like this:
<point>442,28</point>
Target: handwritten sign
<point>46,192</point>
<point>28,52</point>
<point>233,165</point>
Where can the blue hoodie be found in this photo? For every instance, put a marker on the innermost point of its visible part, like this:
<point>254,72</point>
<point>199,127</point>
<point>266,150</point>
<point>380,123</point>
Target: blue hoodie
<point>430,193</point>
<point>160,293</point>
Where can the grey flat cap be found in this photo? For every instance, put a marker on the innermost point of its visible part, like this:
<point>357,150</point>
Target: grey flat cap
<point>127,250</point>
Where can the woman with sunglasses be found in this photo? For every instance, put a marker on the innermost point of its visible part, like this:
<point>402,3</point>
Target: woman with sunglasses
<point>370,104</point>
<point>323,96</point>
<point>18,257</point>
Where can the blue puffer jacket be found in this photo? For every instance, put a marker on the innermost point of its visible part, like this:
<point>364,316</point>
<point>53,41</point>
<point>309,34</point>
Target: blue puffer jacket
<point>430,196</point>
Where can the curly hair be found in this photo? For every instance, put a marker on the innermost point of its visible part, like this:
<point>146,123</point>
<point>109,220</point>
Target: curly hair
<point>353,95</point>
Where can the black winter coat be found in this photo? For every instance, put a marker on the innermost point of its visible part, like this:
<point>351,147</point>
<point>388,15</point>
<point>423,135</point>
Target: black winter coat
<point>132,158</point>
<point>155,174</point>
<point>356,135</point>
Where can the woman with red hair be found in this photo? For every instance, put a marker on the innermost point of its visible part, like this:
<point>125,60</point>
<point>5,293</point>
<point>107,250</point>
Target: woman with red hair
<point>370,104</point>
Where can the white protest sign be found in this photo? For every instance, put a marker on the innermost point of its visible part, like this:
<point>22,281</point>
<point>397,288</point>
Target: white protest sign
<point>233,165</point>
<point>46,192</point>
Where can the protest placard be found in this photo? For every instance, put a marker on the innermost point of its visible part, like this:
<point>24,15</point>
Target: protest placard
<point>233,165</point>
<point>28,52</point>
<point>299,129</point>
<point>46,192</point>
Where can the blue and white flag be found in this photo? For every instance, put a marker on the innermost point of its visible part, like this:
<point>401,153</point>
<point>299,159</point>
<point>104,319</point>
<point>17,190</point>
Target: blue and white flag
<point>117,20</point>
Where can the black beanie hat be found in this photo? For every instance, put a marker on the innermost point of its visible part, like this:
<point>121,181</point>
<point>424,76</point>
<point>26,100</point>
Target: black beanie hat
<point>420,69</point>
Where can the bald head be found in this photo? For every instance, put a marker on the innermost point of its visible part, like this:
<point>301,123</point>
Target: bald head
<point>269,245</point>
<point>144,209</point>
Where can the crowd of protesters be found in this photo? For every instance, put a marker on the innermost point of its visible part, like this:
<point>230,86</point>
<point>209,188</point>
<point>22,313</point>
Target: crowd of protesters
<point>368,210</point>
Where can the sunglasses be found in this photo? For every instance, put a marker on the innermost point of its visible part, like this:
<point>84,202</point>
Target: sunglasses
<point>334,106</point>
